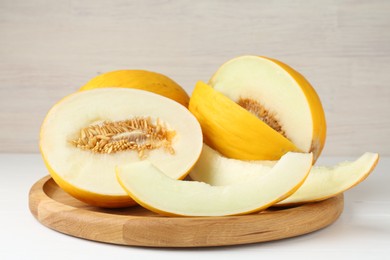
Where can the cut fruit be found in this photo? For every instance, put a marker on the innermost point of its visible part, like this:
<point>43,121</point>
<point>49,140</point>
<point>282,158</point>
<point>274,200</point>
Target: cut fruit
<point>232,130</point>
<point>86,134</point>
<point>325,182</point>
<point>217,170</point>
<point>140,79</point>
<point>154,190</point>
<point>288,110</point>
<point>322,182</point>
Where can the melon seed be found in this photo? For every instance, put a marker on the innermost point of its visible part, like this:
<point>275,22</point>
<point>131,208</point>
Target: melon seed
<point>138,134</point>
<point>260,112</point>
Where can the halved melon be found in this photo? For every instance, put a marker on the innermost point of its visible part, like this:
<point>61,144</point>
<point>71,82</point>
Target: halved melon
<point>86,134</point>
<point>140,79</point>
<point>156,191</point>
<point>322,182</point>
<point>288,110</point>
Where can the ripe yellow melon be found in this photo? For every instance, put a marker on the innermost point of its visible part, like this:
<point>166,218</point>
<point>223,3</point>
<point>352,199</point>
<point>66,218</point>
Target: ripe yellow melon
<point>88,133</point>
<point>140,79</point>
<point>257,108</point>
<point>232,130</point>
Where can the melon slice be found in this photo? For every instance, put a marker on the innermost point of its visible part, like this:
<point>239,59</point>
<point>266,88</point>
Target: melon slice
<point>140,79</point>
<point>156,191</point>
<point>287,109</point>
<point>218,170</point>
<point>322,182</point>
<point>86,134</point>
<point>325,182</point>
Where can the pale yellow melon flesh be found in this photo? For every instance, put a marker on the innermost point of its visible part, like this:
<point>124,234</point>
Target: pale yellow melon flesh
<point>218,170</point>
<point>322,182</point>
<point>90,176</point>
<point>286,98</point>
<point>325,182</point>
<point>154,190</point>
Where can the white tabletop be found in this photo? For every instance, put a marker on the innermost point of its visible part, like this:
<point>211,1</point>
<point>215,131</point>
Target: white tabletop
<point>362,231</point>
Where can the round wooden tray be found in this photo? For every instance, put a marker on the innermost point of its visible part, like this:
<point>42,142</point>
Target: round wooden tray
<point>139,227</point>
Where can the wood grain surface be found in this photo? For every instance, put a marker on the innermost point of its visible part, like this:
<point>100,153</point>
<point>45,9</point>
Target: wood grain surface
<point>49,49</point>
<point>139,227</point>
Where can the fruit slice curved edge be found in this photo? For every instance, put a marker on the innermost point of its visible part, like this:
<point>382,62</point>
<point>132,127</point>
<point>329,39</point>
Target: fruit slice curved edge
<point>87,133</point>
<point>277,95</point>
<point>218,170</point>
<point>325,182</point>
<point>232,130</point>
<point>140,79</point>
<point>322,182</point>
<point>154,190</point>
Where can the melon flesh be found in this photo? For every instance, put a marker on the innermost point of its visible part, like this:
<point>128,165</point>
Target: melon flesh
<point>322,182</point>
<point>325,182</point>
<point>154,190</point>
<point>218,170</point>
<point>283,92</point>
<point>95,172</point>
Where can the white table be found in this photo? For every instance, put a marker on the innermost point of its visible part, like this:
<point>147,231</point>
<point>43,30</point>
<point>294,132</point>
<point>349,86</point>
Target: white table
<point>362,231</point>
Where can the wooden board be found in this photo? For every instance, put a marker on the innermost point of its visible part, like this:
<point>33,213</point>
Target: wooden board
<point>139,227</point>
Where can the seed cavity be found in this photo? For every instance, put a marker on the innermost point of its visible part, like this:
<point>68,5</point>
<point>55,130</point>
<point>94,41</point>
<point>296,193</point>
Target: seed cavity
<point>263,114</point>
<point>139,134</point>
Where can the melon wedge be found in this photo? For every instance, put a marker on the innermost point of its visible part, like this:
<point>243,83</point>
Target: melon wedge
<point>88,133</point>
<point>140,79</point>
<point>156,191</point>
<point>218,170</point>
<point>325,182</point>
<point>287,109</point>
<point>232,130</point>
<point>322,182</point>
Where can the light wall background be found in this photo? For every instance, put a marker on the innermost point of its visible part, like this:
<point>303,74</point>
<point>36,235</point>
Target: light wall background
<point>48,49</point>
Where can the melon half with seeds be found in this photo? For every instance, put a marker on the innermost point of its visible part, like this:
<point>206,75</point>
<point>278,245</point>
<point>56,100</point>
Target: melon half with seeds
<point>87,134</point>
<point>257,108</point>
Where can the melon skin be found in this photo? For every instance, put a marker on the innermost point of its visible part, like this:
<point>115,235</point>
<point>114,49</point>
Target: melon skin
<point>316,108</point>
<point>140,79</point>
<point>88,197</point>
<point>283,92</point>
<point>232,130</point>
<point>90,177</point>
